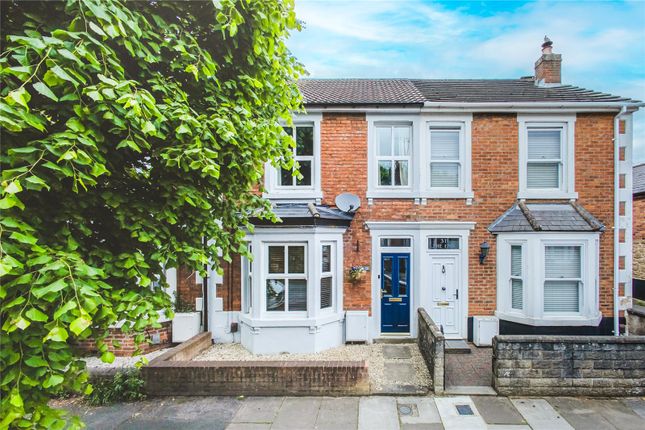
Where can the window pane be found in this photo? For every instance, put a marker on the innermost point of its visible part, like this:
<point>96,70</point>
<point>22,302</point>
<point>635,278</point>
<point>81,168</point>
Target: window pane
<point>275,294</point>
<point>384,136</point>
<point>561,296</point>
<point>443,243</point>
<point>288,130</point>
<point>305,171</point>
<point>296,259</point>
<point>516,260</point>
<point>562,262</point>
<point>326,258</point>
<point>297,294</point>
<point>401,173</point>
<point>403,276</point>
<point>517,299</point>
<point>385,173</point>
<point>387,275</point>
<point>402,141</point>
<point>444,145</point>
<point>276,259</point>
<point>286,177</point>
<point>543,175</point>
<point>444,175</point>
<point>325,292</point>
<point>304,140</point>
<point>388,242</point>
<point>544,144</point>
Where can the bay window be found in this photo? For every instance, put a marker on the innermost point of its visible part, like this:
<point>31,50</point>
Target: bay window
<point>560,285</point>
<point>327,277</point>
<point>286,278</point>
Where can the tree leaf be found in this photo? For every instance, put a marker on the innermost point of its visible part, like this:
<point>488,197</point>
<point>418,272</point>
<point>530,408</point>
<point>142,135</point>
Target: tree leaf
<point>79,325</point>
<point>36,315</point>
<point>43,89</point>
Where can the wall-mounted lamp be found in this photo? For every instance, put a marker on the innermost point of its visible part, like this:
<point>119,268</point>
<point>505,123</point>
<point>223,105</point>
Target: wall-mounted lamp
<point>483,251</point>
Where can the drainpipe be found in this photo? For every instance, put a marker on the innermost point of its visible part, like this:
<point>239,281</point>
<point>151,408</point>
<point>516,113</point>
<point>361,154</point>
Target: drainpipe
<point>623,109</point>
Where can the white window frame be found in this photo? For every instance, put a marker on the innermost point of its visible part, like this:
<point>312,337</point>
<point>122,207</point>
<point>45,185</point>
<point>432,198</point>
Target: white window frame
<point>329,274</point>
<point>419,182</point>
<point>565,123</point>
<point>313,192</point>
<point>286,276</point>
<point>522,277</point>
<point>581,280</point>
<point>391,157</point>
<point>533,251</point>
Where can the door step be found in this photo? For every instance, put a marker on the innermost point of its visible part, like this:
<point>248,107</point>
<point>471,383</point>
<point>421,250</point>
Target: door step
<point>456,346</point>
<point>402,338</point>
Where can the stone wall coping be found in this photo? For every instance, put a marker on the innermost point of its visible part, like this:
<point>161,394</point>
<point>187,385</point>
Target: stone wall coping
<point>262,364</point>
<point>569,339</point>
<point>434,329</point>
<point>640,311</point>
<point>190,343</point>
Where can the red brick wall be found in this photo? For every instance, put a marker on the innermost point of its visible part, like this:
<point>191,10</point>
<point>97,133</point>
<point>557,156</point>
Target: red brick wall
<point>126,341</point>
<point>639,237</point>
<point>495,184</point>
<point>230,290</point>
<point>187,287</point>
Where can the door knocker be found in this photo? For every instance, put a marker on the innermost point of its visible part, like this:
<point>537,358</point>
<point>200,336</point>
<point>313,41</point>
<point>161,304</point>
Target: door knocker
<point>443,269</point>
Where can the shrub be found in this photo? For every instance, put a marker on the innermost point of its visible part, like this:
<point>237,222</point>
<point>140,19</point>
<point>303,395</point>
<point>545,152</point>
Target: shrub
<point>125,386</point>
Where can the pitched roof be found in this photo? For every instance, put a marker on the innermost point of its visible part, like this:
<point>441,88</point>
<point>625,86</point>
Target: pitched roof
<point>418,91</point>
<point>291,214</point>
<point>545,217</point>
<point>639,179</point>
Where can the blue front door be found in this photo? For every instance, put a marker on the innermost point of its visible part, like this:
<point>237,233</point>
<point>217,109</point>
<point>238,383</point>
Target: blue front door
<point>395,293</point>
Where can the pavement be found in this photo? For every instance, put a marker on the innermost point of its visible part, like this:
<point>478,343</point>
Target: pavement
<point>367,413</point>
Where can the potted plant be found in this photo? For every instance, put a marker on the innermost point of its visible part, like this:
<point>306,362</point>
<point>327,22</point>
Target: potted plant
<point>186,322</point>
<point>355,273</point>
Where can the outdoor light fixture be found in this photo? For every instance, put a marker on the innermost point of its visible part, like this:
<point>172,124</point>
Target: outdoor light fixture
<point>483,251</point>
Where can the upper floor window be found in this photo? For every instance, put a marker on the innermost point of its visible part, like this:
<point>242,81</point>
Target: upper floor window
<point>446,157</point>
<point>546,157</point>
<point>394,151</point>
<point>303,153</point>
<point>281,183</point>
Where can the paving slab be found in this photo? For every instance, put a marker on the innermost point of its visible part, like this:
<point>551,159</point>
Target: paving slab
<point>619,415</point>
<point>258,410</point>
<point>539,414</point>
<point>378,413</point>
<point>497,410</point>
<point>470,390</point>
<point>580,413</point>
<point>399,371</point>
<point>509,427</point>
<point>426,410</point>
<point>637,405</point>
<point>451,418</point>
<point>248,426</point>
<point>396,352</point>
<point>297,413</point>
<point>339,413</point>
<point>422,426</point>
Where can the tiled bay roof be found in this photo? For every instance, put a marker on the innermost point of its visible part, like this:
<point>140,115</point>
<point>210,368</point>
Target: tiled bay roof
<point>303,214</point>
<point>545,217</point>
<point>418,91</point>
<point>639,179</point>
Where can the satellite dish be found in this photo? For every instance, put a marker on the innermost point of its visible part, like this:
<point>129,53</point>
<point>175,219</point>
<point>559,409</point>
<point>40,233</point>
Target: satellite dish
<point>348,202</point>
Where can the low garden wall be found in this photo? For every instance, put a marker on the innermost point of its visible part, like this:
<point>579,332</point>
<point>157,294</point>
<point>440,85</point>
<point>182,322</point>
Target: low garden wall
<point>569,365</point>
<point>173,373</point>
<point>126,343</point>
<point>432,346</point>
<point>636,321</point>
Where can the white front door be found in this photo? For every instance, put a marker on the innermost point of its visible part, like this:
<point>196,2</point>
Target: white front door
<point>444,284</point>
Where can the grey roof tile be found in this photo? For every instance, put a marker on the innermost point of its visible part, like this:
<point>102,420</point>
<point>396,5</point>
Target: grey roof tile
<point>299,214</point>
<point>418,91</point>
<point>638,180</point>
<point>548,216</point>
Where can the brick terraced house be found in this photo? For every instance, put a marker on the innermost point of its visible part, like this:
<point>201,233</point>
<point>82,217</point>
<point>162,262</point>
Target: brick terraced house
<point>639,231</point>
<point>506,201</point>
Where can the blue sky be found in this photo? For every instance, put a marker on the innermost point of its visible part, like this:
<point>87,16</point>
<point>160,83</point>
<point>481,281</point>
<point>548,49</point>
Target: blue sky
<point>602,42</point>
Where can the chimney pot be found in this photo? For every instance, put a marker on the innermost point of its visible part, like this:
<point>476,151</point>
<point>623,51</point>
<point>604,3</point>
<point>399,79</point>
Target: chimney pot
<point>548,66</point>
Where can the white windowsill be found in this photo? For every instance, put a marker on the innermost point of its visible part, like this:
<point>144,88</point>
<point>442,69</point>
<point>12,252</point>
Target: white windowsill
<point>528,195</point>
<point>310,195</point>
<point>404,194</point>
<point>554,321</point>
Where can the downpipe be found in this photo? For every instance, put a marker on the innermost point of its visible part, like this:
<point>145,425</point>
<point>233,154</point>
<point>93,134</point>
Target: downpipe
<point>623,109</point>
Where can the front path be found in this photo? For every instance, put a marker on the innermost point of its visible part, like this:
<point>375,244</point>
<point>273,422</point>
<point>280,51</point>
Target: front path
<point>368,413</point>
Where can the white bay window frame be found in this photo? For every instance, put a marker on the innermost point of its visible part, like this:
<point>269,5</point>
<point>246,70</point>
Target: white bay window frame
<point>534,278</point>
<point>566,162</point>
<point>419,187</point>
<point>296,193</point>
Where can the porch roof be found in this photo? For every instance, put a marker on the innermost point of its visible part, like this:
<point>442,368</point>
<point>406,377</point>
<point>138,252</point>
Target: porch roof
<point>567,217</point>
<point>306,214</point>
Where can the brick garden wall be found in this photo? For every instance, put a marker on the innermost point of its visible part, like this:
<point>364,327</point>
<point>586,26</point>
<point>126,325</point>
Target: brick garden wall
<point>569,365</point>
<point>639,237</point>
<point>432,346</point>
<point>173,374</point>
<point>128,347</point>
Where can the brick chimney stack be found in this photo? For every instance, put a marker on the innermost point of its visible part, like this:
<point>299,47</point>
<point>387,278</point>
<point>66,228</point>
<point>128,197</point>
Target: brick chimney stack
<point>548,66</point>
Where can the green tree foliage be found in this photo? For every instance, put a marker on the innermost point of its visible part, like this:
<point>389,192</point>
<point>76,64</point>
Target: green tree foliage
<point>130,130</point>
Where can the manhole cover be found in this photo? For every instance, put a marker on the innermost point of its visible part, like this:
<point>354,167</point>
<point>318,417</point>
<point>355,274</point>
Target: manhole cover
<point>408,410</point>
<point>464,410</point>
